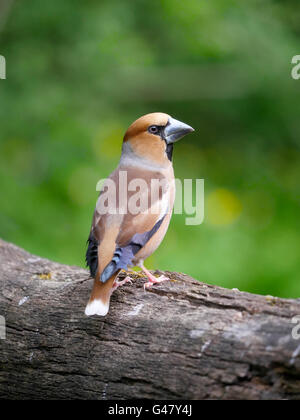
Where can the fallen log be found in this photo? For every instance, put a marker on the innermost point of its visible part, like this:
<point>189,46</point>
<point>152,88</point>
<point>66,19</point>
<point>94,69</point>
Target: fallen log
<point>181,339</point>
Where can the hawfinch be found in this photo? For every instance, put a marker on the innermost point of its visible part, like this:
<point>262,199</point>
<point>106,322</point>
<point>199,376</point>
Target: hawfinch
<point>134,207</point>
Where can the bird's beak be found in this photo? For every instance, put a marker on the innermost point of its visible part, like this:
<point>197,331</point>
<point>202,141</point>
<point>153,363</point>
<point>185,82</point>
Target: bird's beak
<point>175,130</point>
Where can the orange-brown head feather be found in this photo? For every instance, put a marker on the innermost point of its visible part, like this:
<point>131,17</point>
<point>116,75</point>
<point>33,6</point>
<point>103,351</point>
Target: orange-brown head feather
<point>144,144</point>
<point>141,125</point>
<point>151,138</point>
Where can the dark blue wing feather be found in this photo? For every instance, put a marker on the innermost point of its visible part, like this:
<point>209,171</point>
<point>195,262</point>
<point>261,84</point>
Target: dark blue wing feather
<point>123,256</point>
<point>91,257</point>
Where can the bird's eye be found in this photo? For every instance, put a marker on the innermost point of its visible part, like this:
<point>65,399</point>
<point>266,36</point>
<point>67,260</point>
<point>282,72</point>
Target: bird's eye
<point>153,129</point>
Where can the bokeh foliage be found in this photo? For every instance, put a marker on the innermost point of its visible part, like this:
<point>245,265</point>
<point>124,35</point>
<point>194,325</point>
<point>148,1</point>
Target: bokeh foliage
<point>78,73</point>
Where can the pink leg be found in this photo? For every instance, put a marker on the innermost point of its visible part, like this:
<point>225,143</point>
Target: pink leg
<point>152,279</point>
<point>120,283</point>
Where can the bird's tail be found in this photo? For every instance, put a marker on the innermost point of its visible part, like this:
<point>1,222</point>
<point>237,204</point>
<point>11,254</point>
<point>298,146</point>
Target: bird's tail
<point>100,296</point>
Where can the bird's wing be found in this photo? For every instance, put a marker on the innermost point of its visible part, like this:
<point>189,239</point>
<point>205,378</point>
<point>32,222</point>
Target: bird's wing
<point>116,238</point>
<point>91,256</point>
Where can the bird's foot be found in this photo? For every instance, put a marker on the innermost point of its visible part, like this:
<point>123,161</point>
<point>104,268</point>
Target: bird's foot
<point>154,280</point>
<point>118,283</point>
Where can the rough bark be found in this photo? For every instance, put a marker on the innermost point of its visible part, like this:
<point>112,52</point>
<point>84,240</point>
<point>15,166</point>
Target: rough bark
<point>179,340</point>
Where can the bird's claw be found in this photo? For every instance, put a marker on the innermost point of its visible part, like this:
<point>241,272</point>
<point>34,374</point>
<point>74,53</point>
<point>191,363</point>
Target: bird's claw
<point>121,283</point>
<point>154,280</point>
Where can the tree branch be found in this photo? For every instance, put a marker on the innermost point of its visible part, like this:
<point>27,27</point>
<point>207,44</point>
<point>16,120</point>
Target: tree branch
<point>179,340</point>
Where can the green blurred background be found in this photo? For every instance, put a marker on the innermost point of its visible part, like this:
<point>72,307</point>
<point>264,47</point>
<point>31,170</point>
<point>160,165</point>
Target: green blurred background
<point>79,72</point>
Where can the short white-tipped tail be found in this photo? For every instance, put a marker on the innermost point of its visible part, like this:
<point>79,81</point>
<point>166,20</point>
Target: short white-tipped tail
<point>97,307</point>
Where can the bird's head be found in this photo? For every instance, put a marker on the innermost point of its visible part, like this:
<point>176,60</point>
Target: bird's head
<point>152,136</point>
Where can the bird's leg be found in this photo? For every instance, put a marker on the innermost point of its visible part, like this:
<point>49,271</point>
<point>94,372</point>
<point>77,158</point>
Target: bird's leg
<point>118,283</point>
<point>152,279</point>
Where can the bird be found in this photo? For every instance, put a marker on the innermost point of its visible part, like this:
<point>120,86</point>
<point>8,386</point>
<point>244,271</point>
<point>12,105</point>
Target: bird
<point>124,233</point>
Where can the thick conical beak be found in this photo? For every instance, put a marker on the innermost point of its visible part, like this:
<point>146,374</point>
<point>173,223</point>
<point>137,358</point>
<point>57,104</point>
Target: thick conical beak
<point>175,130</point>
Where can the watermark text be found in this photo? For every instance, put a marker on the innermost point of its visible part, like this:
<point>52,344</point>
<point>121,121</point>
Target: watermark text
<point>296,329</point>
<point>139,196</point>
<point>296,68</point>
<point>2,67</point>
<point>2,328</point>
